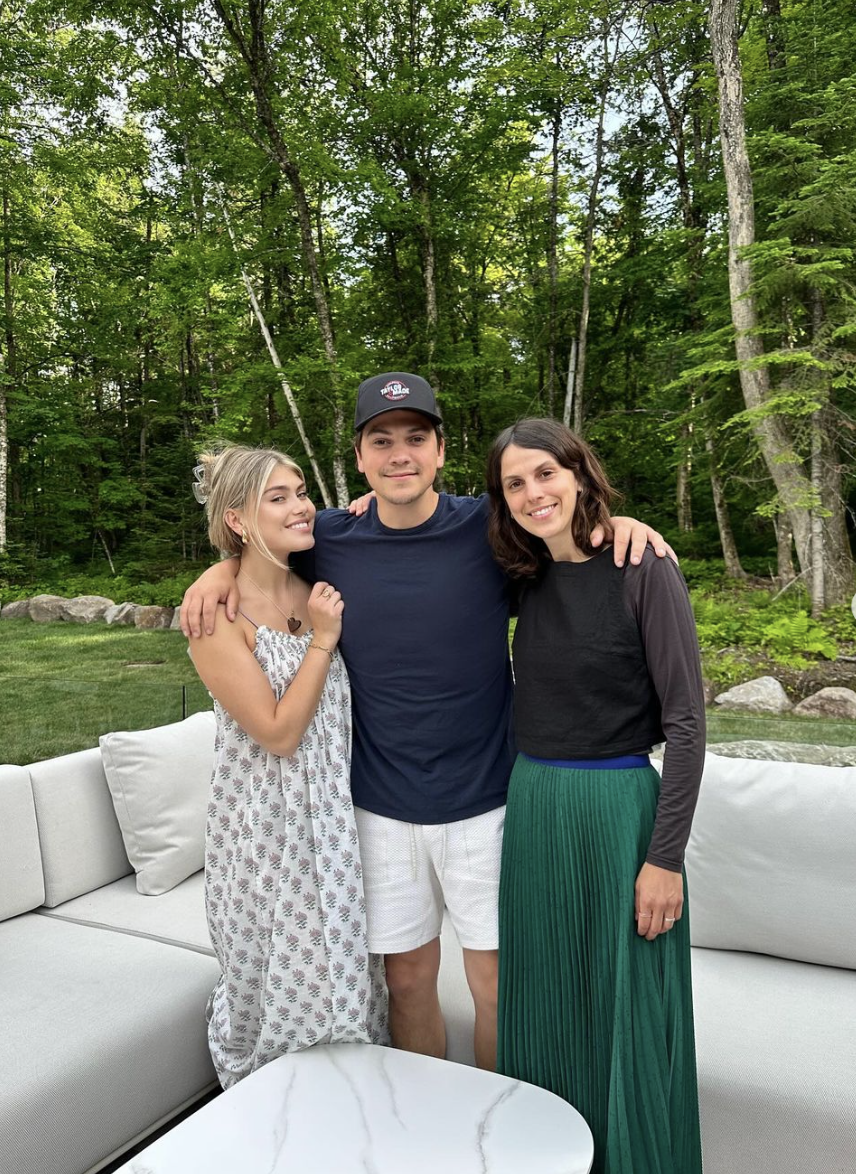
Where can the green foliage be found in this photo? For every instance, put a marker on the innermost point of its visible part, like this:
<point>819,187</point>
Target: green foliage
<point>419,134</point>
<point>755,620</point>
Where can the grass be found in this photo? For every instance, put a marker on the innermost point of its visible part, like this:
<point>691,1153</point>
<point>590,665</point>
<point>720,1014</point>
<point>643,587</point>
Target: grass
<point>729,726</point>
<point>63,685</point>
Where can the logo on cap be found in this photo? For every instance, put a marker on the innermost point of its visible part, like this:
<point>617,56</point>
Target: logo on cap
<point>394,390</point>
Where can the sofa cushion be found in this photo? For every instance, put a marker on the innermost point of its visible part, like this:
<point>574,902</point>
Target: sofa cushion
<point>159,781</point>
<point>177,917</point>
<point>776,1044</point>
<point>22,883</point>
<point>80,839</point>
<point>104,1035</point>
<point>770,861</point>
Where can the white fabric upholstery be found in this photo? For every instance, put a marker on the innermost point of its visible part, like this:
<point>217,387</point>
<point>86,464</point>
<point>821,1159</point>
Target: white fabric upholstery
<point>103,1034</point>
<point>771,863</point>
<point>776,1043</point>
<point>177,917</point>
<point>22,884</point>
<point>79,836</point>
<point>159,781</point>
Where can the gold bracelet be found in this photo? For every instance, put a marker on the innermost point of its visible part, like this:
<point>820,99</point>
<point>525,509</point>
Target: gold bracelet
<point>322,648</point>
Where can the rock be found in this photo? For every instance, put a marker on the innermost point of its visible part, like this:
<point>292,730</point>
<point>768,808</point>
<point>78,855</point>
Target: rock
<point>830,702</point>
<point>18,609</point>
<point>44,608</point>
<point>763,695</point>
<point>176,619</point>
<point>709,691</point>
<point>149,616</point>
<point>83,609</point>
<point>787,752</point>
<point>121,613</point>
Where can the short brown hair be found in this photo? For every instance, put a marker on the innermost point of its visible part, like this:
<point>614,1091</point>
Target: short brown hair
<point>521,554</point>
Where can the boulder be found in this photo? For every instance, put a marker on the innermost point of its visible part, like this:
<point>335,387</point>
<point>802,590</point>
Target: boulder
<point>83,609</point>
<point>149,616</point>
<point>818,755</point>
<point>18,609</point>
<point>763,695</point>
<point>176,619</point>
<point>120,613</point>
<point>44,608</point>
<point>830,702</point>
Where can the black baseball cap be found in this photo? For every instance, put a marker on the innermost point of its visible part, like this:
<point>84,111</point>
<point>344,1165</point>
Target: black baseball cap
<point>395,389</point>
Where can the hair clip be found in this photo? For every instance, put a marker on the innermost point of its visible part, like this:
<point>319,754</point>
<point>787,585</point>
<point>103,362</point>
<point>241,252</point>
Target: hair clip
<point>200,490</point>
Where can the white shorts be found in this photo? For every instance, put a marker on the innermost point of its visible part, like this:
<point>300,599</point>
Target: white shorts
<point>412,871</point>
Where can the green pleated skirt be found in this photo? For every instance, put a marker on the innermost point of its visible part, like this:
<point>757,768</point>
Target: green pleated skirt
<point>587,1008</point>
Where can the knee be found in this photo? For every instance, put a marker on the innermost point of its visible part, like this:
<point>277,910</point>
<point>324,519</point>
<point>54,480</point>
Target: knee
<point>412,975</point>
<point>483,978</point>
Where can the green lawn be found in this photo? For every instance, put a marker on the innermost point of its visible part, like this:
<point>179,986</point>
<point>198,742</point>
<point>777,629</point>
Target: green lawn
<point>62,685</point>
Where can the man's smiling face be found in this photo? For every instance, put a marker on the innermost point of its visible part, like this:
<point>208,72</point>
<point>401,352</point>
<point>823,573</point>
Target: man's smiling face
<point>399,454</point>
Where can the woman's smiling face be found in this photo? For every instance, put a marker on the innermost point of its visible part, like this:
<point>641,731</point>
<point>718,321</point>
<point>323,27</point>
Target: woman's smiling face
<point>541,495</point>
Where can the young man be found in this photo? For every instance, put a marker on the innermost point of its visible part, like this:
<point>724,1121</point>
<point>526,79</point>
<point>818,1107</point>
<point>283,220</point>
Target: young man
<point>425,641</point>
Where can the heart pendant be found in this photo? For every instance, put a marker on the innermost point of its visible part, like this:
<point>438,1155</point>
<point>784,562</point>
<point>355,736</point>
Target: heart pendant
<point>294,625</point>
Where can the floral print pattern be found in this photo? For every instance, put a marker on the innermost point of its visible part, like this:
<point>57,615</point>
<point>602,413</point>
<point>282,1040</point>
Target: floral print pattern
<point>283,885</point>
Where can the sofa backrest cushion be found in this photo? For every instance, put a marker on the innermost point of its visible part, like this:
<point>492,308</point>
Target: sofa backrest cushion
<point>159,780</point>
<point>771,861</point>
<point>81,843</point>
<point>22,884</point>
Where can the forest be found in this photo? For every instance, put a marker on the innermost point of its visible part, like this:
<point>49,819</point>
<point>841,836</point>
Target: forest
<point>218,216</point>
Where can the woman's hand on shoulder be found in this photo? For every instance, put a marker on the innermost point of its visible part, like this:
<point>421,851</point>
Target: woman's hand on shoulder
<point>325,608</point>
<point>659,900</point>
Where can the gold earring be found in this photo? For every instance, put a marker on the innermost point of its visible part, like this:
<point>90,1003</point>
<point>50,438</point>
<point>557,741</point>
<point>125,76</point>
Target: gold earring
<point>243,536</point>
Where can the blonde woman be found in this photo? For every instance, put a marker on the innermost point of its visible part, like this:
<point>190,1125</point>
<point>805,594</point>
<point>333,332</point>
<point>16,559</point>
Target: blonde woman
<point>283,883</point>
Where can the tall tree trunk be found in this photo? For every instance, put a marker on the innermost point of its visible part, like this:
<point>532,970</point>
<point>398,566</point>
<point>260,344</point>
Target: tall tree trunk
<point>8,366</point>
<point>553,258</point>
<point>588,248</point>
<point>429,275</point>
<point>785,572</point>
<point>733,566</point>
<point>256,57</point>
<point>774,34</point>
<point>832,564</point>
<point>684,493</point>
<point>569,386</point>
<point>275,359</point>
<point>794,488</point>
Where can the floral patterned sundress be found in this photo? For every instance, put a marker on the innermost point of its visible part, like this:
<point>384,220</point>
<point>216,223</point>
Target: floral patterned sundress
<point>283,884</point>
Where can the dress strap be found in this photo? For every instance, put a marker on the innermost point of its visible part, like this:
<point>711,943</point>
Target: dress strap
<point>246,617</point>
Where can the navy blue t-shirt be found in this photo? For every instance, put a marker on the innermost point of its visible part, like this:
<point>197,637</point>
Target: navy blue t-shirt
<point>425,641</point>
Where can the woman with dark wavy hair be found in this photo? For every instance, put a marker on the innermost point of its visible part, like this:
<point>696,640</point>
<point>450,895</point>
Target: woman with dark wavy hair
<point>595,1000</point>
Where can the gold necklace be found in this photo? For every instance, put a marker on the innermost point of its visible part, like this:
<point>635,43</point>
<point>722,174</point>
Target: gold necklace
<point>294,624</point>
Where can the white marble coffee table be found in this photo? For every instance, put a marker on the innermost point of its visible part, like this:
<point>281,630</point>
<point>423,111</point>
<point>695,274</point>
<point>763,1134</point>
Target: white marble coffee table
<point>359,1109</point>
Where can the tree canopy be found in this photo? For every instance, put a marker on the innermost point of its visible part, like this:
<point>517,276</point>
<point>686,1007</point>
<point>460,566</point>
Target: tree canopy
<point>525,202</point>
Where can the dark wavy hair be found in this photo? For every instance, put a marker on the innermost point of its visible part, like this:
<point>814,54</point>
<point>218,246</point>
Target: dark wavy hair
<point>521,554</point>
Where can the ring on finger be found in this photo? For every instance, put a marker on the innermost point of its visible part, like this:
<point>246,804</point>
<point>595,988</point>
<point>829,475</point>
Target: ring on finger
<point>326,593</point>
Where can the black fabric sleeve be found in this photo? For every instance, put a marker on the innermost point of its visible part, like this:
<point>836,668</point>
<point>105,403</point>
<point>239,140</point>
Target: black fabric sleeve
<point>657,596</point>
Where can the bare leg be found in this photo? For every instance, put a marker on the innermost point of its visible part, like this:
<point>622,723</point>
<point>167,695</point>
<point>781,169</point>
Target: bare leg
<point>415,1020</point>
<point>482,969</point>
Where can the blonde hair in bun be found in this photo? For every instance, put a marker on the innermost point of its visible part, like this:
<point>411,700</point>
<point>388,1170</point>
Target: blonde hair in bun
<point>234,478</point>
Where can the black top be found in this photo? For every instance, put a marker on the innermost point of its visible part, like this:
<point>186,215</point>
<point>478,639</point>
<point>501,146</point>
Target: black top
<point>606,663</point>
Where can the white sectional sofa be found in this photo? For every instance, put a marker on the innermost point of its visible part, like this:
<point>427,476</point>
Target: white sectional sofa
<point>103,987</point>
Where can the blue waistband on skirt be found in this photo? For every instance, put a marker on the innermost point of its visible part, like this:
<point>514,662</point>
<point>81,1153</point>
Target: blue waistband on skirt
<point>622,762</point>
